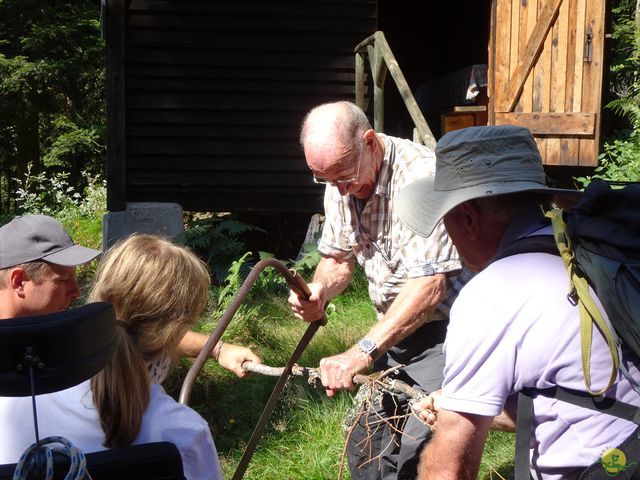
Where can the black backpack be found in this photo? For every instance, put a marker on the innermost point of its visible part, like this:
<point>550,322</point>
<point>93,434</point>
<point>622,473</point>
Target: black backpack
<point>599,242</point>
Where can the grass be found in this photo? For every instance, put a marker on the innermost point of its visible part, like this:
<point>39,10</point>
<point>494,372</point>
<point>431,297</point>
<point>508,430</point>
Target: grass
<point>304,438</point>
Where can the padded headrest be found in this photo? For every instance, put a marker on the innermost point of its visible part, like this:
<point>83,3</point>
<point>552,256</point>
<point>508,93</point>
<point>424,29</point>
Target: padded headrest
<point>68,347</point>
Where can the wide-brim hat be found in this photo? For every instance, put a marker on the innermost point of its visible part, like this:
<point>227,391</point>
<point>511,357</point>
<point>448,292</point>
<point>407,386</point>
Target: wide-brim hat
<point>38,237</point>
<point>472,163</point>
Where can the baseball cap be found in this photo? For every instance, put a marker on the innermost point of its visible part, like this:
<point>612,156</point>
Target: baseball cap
<point>38,237</point>
<point>471,163</point>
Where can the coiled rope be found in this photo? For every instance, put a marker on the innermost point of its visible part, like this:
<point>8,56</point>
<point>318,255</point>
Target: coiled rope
<point>29,461</point>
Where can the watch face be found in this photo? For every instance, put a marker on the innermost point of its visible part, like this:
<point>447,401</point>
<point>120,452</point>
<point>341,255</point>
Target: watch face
<point>367,345</point>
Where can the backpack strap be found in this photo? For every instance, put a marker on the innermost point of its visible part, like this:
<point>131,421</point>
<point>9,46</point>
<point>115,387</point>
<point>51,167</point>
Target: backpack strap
<point>579,295</point>
<point>524,417</point>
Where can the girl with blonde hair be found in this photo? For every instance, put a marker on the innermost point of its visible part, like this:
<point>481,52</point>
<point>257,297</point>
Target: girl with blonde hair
<point>158,290</point>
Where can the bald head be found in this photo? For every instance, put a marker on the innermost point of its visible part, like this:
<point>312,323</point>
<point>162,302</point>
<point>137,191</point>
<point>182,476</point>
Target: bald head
<point>333,132</point>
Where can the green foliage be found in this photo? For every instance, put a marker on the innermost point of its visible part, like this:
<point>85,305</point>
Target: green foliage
<point>619,160</point>
<point>52,83</point>
<point>620,157</point>
<point>81,214</point>
<point>69,142</point>
<point>39,193</point>
<point>218,239</point>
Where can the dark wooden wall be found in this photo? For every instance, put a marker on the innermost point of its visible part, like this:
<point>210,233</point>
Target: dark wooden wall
<point>205,97</point>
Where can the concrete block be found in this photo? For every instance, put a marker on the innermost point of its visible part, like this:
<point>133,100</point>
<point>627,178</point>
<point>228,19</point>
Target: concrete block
<point>142,217</point>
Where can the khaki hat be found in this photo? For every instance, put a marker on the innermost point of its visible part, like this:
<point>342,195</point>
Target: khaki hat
<point>472,163</point>
<point>39,237</point>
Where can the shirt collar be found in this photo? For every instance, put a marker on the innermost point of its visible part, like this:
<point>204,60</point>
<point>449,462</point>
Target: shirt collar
<point>383,183</point>
<point>528,222</point>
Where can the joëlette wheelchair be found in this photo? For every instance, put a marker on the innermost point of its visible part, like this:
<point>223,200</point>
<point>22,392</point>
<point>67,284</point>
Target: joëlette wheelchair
<point>47,353</point>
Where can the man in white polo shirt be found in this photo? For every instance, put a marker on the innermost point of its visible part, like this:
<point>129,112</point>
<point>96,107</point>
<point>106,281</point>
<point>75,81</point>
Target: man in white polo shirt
<point>512,326</point>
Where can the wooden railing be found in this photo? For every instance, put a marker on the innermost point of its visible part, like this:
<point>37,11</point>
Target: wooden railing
<point>381,61</point>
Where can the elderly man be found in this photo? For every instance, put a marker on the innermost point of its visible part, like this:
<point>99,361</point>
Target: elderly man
<point>408,276</point>
<point>512,326</point>
<point>38,263</point>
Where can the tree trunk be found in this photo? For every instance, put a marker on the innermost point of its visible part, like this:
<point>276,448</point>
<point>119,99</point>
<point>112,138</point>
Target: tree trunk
<point>27,140</point>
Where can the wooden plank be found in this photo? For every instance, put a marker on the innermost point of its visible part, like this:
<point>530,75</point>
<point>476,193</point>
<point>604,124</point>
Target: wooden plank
<point>501,33</point>
<point>494,70</point>
<point>558,69</point>
<point>286,40</point>
<point>559,59</point>
<point>316,75</point>
<point>115,99</point>
<point>216,146</point>
<point>193,56</point>
<point>214,178</point>
<point>219,101</point>
<point>592,79</point>
<point>578,60</point>
<point>183,131</point>
<point>255,23</point>
<point>569,148</point>
<point>525,104</point>
<point>255,116</point>
<point>281,7</point>
<point>534,44</point>
<point>545,70</point>
<point>235,199</point>
<point>151,84</point>
<point>542,80</point>
<point>159,162</point>
<point>551,123</point>
<point>513,39</point>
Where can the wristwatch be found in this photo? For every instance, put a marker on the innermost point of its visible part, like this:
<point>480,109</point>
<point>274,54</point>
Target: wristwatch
<point>368,346</point>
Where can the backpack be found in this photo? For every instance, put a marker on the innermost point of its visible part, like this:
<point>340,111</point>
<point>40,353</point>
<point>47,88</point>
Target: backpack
<point>599,242</point>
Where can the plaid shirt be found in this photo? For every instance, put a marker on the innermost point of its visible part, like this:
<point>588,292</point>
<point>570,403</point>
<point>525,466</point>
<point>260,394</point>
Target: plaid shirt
<point>388,251</point>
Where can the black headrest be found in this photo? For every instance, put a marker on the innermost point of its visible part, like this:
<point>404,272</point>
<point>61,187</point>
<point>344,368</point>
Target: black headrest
<point>65,348</point>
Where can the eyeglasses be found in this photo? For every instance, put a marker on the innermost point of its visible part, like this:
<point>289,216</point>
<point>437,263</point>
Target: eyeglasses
<point>341,181</point>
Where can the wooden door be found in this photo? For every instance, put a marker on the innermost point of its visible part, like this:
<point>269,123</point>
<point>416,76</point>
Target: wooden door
<point>545,73</point>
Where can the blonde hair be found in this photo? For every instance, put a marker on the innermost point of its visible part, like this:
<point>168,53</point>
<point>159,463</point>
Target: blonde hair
<point>158,290</point>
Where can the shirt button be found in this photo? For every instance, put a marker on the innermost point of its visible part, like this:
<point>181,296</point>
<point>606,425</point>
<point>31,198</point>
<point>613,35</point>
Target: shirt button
<point>367,246</point>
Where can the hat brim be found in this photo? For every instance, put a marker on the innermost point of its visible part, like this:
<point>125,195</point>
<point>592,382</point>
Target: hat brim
<point>72,256</point>
<point>420,206</point>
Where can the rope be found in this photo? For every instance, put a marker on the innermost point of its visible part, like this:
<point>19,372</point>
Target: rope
<point>29,463</point>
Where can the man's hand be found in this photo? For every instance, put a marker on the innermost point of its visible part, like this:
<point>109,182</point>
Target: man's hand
<point>337,372</point>
<point>233,356</point>
<point>427,408</point>
<point>312,309</point>
<point>331,277</point>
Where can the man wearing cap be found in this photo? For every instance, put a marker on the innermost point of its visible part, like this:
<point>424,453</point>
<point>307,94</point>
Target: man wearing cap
<point>38,261</point>
<point>409,277</point>
<point>511,326</point>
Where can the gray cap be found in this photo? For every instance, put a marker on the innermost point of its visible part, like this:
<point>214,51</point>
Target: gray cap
<point>472,163</point>
<point>39,237</point>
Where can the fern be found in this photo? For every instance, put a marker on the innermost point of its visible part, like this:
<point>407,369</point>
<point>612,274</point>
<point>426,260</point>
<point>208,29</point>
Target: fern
<point>218,240</point>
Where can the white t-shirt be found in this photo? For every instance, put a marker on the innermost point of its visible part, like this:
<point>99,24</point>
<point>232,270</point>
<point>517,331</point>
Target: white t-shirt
<point>71,414</point>
<point>513,327</point>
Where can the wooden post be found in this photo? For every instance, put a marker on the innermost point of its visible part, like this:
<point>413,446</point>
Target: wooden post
<point>116,148</point>
<point>360,80</point>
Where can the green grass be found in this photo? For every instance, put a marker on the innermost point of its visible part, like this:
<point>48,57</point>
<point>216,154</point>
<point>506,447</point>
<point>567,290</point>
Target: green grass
<point>304,438</point>
<point>497,460</point>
